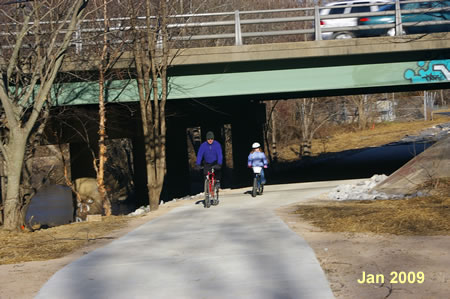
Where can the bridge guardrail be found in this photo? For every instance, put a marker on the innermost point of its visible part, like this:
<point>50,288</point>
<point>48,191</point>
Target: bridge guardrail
<point>233,28</point>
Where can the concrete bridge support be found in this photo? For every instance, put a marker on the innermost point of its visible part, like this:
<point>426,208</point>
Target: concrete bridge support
<point>236,124</point>
<point>245,131</point>
<point>177,182</point>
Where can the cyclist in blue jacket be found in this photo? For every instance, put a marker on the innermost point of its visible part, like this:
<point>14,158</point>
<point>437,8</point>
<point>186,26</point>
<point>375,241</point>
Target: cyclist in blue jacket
<point>258,158</point>
<point>210,155</point>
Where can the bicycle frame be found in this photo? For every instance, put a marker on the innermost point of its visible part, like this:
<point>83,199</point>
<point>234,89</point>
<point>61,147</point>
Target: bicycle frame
<point>257,186</point>
<point>211,190</point>
<point>211,177</point>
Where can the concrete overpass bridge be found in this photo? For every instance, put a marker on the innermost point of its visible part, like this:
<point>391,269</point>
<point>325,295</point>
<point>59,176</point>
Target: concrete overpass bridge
<point>289,70</point>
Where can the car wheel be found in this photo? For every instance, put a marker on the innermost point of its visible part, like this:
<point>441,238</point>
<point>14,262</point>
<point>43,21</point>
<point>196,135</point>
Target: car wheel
<point>343,35</point>
<point>391,32</point>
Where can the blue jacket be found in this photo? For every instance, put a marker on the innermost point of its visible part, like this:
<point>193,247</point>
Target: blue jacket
<point>257,159</point>
<point>210,153</point>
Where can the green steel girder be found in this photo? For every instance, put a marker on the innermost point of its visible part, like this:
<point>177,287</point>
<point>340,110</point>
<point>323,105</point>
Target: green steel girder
<point>262,83</point>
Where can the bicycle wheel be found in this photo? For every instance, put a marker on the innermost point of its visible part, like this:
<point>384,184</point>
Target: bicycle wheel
<point>255,186</point>
<point>215,201</point>
<point>207,202</point>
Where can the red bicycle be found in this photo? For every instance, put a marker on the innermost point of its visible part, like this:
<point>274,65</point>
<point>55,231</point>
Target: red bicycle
<point>211,189</point>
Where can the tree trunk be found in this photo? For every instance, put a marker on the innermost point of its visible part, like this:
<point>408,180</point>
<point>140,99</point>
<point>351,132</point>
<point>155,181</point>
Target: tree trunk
<point>307,116</point>
<point>274,136</point>
<point>443,101</point>
<point>156,163</point>
<point>362,116</point>
<point>102,115</point>
<point>154,189</point>
<point>13,202</point>
<point>102,148</point>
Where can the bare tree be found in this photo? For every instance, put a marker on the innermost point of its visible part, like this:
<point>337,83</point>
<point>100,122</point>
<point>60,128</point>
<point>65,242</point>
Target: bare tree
<point>365,109</point>
<point>100,165</point>
<point>39,35</point>
<point>311,120</point>
<point>151,53</point>
<point>271,127</point>
<point>109,54</point>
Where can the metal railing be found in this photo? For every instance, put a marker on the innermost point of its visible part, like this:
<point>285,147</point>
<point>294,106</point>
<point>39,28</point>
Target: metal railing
<point>237,27</point>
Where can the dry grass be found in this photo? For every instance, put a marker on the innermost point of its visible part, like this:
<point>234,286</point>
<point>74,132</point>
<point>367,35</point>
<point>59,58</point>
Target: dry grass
<point>346,138</point>
<point>381,134</point>
<point>55,242</point>
<point>415,216</point>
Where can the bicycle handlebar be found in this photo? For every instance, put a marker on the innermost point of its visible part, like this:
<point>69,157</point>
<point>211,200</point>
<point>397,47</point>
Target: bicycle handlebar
<point>213,167</point>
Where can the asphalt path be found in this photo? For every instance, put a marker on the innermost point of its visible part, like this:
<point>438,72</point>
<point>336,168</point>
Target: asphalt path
<point>238,249</point>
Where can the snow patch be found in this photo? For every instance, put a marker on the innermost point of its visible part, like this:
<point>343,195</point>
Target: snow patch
<point>140,211</point>
<point>362,191</point>
<point>146,209</point>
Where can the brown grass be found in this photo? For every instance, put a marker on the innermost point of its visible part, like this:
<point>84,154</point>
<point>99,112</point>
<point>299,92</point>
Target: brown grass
<point>415,216</point>
<point>55,242</point>
<point>346,137</point>
<point>381,134</point>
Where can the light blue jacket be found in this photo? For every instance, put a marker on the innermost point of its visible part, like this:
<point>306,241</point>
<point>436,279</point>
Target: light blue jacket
<point>257,159</point>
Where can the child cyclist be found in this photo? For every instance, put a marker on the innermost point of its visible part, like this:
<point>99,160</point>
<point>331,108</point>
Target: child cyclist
<point>257,158</point>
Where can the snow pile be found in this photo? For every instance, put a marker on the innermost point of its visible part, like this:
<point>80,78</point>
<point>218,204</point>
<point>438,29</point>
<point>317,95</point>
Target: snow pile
<point>146,209</point>
<point>140,211</point>
<point>187,197</point>
<point>434,133</point>
<point>361,190</point>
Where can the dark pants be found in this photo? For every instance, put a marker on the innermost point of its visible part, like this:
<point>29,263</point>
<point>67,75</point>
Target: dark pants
<point>207,167</point>
<point>263,178</point>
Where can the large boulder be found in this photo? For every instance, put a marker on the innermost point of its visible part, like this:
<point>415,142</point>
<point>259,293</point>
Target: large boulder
<point>89,202</point>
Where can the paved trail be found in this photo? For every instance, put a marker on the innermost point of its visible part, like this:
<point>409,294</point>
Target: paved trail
<point>239,249</point>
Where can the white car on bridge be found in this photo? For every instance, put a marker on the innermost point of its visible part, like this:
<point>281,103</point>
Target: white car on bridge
<point>345,7</point>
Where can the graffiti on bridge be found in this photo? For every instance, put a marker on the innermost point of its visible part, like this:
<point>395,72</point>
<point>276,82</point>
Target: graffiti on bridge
<point>431,71</point>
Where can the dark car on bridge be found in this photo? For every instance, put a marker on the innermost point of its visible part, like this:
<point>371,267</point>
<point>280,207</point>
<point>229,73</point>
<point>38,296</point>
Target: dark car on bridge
<point>424,17</point>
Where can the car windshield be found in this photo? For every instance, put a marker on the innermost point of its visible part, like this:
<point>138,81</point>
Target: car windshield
<point>387,7</point>
<point>337,10</point>
<point>416,5</point>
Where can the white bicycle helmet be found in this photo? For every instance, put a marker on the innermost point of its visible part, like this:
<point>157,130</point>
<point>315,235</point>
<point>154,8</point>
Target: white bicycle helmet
<point>256,145</point>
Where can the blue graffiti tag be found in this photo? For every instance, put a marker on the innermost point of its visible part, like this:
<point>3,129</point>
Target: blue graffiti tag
<point>433,71</point>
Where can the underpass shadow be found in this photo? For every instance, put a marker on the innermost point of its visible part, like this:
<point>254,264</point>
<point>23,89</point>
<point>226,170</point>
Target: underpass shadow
<point>350,164</point>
